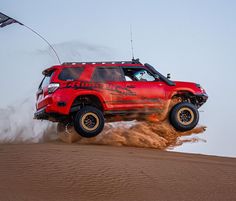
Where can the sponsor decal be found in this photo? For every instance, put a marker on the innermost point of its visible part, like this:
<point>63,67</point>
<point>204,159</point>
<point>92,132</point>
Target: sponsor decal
<point>114,89</point>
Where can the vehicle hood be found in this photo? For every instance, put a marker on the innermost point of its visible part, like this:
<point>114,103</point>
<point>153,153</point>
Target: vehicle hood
<point>182,83</point>
<point>189,86</point>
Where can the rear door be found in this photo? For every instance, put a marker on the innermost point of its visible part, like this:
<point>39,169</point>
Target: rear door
<point>111,85</point>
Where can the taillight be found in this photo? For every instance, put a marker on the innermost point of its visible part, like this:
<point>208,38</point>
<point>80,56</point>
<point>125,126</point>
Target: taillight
<point>53,87</point>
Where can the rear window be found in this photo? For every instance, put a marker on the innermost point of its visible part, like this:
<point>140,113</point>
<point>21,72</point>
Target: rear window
<point>69,74</point>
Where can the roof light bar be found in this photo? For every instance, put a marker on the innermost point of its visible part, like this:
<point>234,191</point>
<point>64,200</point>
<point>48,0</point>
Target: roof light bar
<point>134,61</point>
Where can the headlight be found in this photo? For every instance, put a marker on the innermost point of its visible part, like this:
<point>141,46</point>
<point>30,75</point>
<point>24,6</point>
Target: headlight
<point>200,87</point>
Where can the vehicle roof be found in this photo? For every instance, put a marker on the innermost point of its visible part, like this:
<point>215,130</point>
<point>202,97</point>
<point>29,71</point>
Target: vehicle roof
<point>134,62</point>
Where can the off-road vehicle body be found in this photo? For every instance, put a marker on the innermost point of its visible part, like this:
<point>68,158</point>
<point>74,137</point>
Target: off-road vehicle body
<point>87,94</point>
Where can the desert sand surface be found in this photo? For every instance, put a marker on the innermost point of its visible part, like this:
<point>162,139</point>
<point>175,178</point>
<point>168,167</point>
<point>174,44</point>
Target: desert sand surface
<point>58,171</point>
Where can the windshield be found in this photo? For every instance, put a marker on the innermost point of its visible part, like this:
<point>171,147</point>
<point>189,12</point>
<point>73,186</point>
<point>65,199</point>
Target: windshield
<point>162,77</point>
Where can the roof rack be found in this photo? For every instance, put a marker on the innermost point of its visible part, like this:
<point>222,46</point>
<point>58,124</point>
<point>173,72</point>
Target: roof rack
<point>134,61</point>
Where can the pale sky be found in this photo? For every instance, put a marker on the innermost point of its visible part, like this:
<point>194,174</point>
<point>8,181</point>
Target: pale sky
<point>194,40</point>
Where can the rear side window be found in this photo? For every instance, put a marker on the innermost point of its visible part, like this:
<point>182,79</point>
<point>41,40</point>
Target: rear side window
<point>46,80</point>
<point>108,75</point>
<point>70,74</point>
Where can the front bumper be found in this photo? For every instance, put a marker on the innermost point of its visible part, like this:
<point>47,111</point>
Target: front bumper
<point>201,99</point>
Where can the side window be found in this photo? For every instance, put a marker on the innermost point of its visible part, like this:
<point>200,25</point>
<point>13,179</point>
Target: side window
<point>138,74</point>
<point>128,79</point>
<point>46,81</point>
<point>70,74</point>
<point>107,74</point>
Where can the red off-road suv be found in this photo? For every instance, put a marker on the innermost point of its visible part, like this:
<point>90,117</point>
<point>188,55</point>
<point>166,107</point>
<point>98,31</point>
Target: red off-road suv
<point>85,94</point>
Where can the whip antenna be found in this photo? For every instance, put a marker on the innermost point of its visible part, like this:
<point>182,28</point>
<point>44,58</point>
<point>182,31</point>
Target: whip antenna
<point>131,42</point>
<point>44,41</point>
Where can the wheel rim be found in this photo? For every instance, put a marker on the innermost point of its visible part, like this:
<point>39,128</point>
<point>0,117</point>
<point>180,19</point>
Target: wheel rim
<point>90,121</point>
<point>185,116</point>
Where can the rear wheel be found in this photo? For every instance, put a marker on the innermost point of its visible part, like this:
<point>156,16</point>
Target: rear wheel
<point>184,116</point>
<point>89,122</point>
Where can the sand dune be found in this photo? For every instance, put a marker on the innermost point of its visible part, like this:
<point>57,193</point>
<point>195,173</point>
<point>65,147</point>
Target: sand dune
<point>57,171</point>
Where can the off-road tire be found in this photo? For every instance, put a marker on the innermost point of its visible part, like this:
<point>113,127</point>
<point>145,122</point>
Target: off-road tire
<point>184,116</point>
<point>89,122</point>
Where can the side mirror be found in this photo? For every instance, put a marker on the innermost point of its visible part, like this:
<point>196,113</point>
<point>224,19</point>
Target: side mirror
<point>168,76</point>
<point>157,78</point>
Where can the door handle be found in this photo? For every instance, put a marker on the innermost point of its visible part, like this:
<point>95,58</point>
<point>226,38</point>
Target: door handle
<point>130,86</point>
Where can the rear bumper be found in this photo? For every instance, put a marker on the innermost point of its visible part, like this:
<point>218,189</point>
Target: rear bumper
<point>53,103</point>
<point>41,114</point>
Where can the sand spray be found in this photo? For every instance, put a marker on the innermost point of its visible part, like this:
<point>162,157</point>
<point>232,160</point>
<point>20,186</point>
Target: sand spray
<point>18,126</point>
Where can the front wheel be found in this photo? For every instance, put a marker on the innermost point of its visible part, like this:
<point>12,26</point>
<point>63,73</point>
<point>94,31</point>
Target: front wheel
<point>89,122</point>
<point>184,116</point>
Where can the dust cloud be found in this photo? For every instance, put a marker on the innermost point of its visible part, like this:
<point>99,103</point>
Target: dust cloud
<point>159,135</point>
<point>154,132</point>
<point>18,126</point>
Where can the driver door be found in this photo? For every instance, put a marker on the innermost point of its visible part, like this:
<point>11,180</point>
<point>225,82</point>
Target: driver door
<point>148,91</point>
